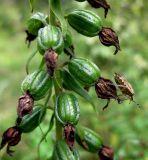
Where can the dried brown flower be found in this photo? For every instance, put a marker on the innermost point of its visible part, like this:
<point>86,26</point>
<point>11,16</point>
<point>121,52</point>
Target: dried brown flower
<point>69,132</point>
<point>106,89</point>
<point>51,61</point>
<point>100,3</point>
<point>11,137</point>
<point>30,37</point>
<point>108,37</point>
<point>125,87</point>
<point>106,153</point>
<point>25,105</point>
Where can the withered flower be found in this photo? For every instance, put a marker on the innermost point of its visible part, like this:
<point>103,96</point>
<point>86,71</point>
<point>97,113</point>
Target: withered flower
<point>106,153</point>
<point>108,37</point>
<point>11,137</point>
<point>125,87</point>
<point>51,58</point>
<point>69,133</point>
<point>100,3</point>
<point>30,37</point>
<point>106,89</point>
<point>25,105</point>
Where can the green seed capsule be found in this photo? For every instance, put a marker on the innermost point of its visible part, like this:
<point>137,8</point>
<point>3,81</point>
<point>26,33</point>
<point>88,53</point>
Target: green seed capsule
<point>37,84</point>
<point>32,120</point>
<point>88,139</point>
<point>36,22</point>
<point>85,71</point>
<point>50,37</point>
<point>85,22</point>
<point>62,152</point>
<point>67,109</point>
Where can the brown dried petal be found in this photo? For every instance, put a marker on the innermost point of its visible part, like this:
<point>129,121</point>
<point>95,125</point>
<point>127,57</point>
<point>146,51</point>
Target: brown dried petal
<point>106,89</point>
<point>106,153</point>
<point>11,137</point>
<point>108,37</point>
<point>100,3</point>
<point>69,132</point>
<point>125,87</point>
<point>51,61</point>
<point>25,105</point>
<point>30,37</point>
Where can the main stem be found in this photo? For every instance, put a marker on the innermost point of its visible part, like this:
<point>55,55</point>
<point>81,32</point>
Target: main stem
<point>57,89</point>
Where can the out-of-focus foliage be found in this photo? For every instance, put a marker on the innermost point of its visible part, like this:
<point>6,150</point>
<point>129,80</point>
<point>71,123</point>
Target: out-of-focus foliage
<point>124,126</point>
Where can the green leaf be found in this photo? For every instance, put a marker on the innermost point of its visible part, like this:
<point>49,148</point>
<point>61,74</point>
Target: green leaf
<point>70,83</point>
<point>31,5</point>
<point>56,9</point>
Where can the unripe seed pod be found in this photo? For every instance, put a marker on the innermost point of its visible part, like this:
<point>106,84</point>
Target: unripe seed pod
<point>85,71</point>
<point>62,152</point>
<point>32,120</point>
<point>37,84</point>
<point>36,22</point>
<point>88,139</point>
<point>67,109</point>
<point>50,37</point>
<point>85,22</point>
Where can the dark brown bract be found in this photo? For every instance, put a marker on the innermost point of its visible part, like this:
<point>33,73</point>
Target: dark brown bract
<point>124,86</point>
<point>69,132</point>
<point>106,89</point>
<point>108,37</point>
<point>11,137</point>
<point>51,61</point>
<point>106,153</point>
<point>100,3</point>
<point>25,105</point>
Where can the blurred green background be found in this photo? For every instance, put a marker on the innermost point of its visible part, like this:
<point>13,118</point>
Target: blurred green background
<point>123,127</point>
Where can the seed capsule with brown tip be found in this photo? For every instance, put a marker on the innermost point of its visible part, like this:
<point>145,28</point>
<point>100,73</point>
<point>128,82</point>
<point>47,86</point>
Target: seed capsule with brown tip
<point>99,4</point>
<point>108,37</point>
<point>106,89</point>
<point>11,137</point>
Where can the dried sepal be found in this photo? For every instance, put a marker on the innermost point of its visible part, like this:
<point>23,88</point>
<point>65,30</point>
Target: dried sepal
<point>25,105</point>
<point>11,137</point>
<point>106,89</point>
<point>51,58</point>
<point>69,133</point>
<point>108,37</point>
<point>100,3</point>
<point>125,87</point>
<point>106,153</point>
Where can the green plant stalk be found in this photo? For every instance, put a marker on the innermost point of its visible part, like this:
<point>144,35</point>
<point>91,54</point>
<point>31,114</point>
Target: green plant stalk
<point>57,89</point>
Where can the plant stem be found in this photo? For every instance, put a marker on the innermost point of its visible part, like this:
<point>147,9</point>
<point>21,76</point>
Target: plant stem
<point>57,88</point>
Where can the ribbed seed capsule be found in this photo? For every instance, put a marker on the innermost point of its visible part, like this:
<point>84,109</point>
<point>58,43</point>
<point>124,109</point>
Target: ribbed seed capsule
<point>67,109</point>
<point>50,37</point>
<point>36,22</point>
<point>62,152</point>
<point>88,139</point>
<point>32,120</point>
<point>37,84</point>
<point>85,71</point>
<point>85,22</point>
